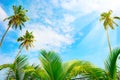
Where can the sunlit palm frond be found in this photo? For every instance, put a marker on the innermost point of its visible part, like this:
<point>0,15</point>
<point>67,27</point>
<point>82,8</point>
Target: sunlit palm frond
<point>19,65</point>
<point>5,66</point>
<point>52,64</point>
<point>35,72</point>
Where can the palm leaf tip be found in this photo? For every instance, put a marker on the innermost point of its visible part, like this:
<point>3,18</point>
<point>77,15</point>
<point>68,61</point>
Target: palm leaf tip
<point>116,17</point>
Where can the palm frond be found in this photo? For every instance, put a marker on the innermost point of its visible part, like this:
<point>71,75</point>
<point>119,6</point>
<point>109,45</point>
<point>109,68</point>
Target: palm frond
<point>110,63</point>
<point>116,17</point>
<point>5,66</point>
<point>52,64</point>
<point>19,65</point>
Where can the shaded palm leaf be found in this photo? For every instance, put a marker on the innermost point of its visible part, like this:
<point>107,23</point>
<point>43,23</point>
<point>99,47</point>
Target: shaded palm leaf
<point>110,63</point>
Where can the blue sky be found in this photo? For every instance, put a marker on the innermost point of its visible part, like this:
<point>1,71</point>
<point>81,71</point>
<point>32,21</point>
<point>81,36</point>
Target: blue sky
<point>69,27</point>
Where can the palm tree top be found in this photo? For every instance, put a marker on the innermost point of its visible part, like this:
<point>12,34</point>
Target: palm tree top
<point>19,10</point>
<point>26,40</point>
<point>18,18</point>
<point>108,20</point>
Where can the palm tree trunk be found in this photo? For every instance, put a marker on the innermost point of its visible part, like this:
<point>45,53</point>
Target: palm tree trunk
<point>19,51</point>
<point>108,38</point>
<point>4,36</point>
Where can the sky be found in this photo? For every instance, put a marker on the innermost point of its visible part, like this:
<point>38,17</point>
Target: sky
<point>69,27</point>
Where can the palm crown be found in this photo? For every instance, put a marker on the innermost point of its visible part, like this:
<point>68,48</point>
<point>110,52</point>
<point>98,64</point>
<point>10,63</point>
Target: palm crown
<point>19,17</point>
<point>108,20</point>
<point>26,40</point>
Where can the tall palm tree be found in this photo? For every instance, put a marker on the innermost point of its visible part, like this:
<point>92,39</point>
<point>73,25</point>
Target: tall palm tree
<point>26,41</point>
<point>108,21</point>
<point>54,68</point>
<point>15,21</point>
<point>16,70</point>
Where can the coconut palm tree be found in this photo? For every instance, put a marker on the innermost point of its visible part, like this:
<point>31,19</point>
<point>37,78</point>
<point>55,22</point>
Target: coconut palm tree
<point>16,70</point>
<point>54,68</point>
<point>108,21</point>
<point>21,70</point>
<point>26,41</point>
<point>15,21</point>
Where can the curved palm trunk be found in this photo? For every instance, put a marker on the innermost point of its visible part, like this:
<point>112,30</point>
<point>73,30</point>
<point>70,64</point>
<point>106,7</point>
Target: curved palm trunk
<point>108,38</point>
<point>17,77</point>
<point>4,36</point>
<point>19,52</point>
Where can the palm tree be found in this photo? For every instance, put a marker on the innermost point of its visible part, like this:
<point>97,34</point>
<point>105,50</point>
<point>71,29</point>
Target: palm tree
<point>16,70</point>
<point>108,22</point>
<point>16,21</point>
<point>26,41</point>
<point>54,68</point>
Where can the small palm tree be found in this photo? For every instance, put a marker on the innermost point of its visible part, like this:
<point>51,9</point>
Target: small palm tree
<point>16,70</point>
<point>108,22</point>
<point>26,41</point>
<point>16,21</point>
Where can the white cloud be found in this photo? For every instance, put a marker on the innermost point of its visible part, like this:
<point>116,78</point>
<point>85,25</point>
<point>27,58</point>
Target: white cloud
<point>5,59</point>
<point>48,38</point>
<point>85,7</point>
<point>68,19</point>
<point>3,74</point>
<point>2,14</point>
<point>79,6</point>
<point>56,34</point>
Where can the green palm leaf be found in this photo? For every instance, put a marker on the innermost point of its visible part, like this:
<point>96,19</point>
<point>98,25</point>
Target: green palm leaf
<point>110,63</point>
<point>16,70</point>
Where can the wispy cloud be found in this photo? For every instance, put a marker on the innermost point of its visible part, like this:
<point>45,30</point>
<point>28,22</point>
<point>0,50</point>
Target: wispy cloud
<point>48,38</point>
<point>5,59</point>
<point>88,6</point>
<point>2,14</point>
